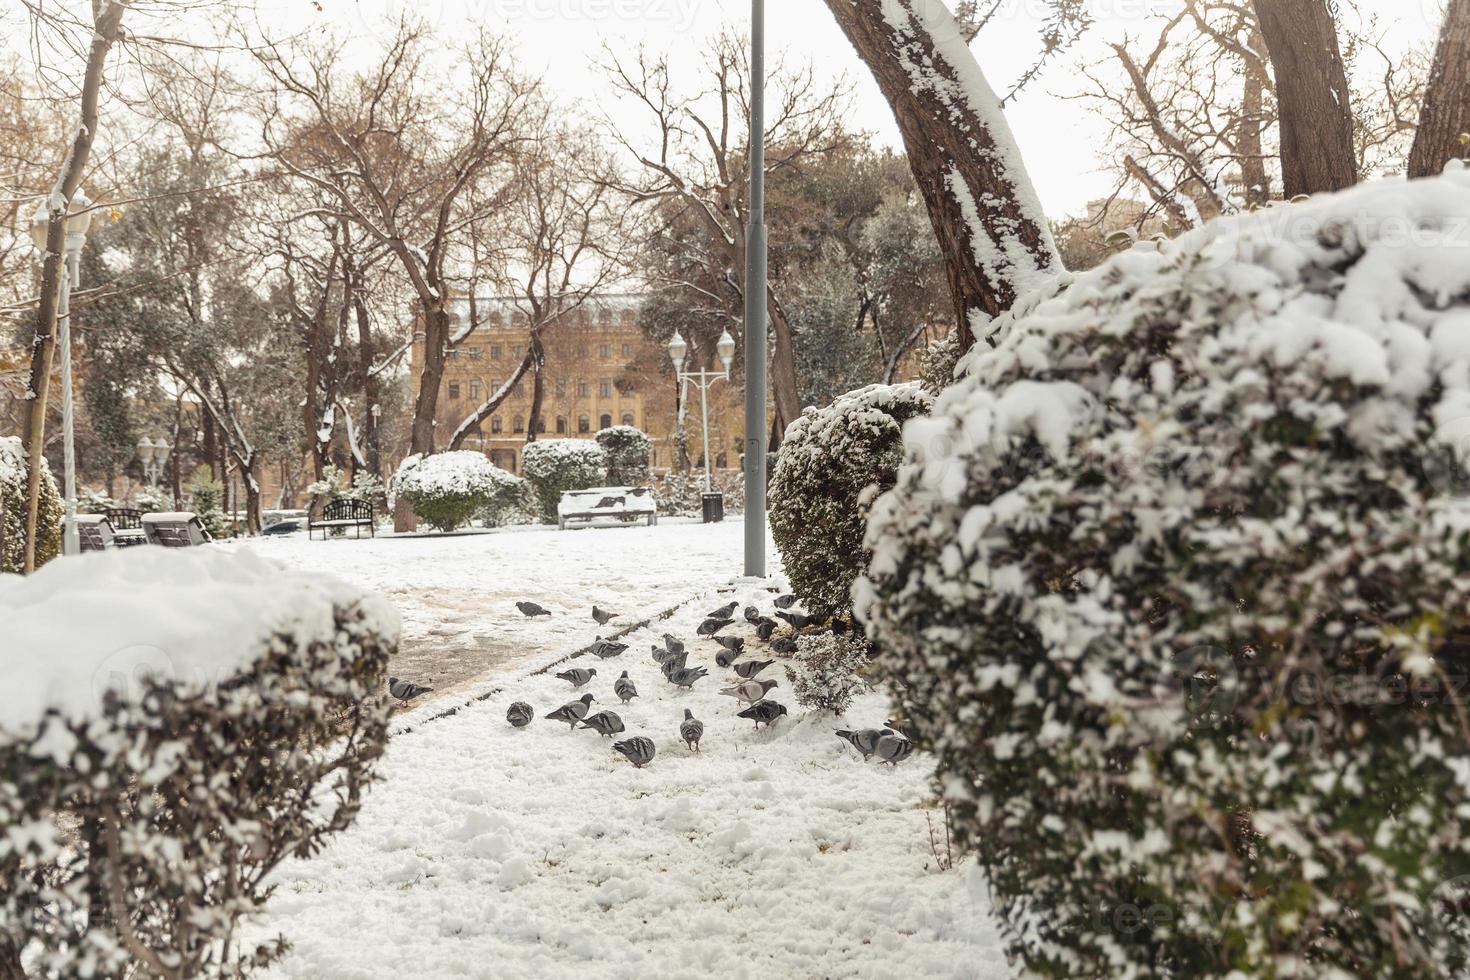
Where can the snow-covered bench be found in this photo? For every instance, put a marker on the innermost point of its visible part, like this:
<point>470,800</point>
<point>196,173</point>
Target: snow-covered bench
<point>356,514</point>
<point>180,529</point>
<point>95,532</point>
<point>626,504</point>
<point>127,526</point>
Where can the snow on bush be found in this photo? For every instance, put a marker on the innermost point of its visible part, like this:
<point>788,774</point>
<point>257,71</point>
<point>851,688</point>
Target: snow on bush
<point>446,490</point>
<point>174,724</point>
<point>13,510</point>
<point>820,487</point>
<point>554,466</point>
<point>827,670</point>
<point>626,451</point>
<point>1176,584</point>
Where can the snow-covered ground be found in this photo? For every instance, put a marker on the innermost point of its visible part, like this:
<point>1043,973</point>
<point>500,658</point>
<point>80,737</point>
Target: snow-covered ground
<point>488,851</point>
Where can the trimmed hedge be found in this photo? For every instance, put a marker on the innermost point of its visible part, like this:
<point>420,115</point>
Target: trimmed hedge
<point>554,466</point>
<point>448,490</point>
<point>50,515</point>
<point>626,451</point>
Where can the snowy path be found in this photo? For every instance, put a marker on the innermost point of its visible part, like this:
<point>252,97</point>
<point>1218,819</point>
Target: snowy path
<point>491,852</point>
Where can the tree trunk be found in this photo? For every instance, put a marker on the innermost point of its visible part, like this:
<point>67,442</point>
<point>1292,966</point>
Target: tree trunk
<point>43,348</point>
<point>1446,112</point>
<point>537,354</point>
<point>992,231</point>
<point>367,383</point>
<point>786,394</point>
<point>426,404</point>
<point>1317,152</point>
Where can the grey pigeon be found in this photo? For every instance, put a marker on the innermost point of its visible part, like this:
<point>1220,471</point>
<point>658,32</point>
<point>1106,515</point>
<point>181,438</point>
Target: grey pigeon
<point>724,612</point>
<point>712,626</point>
<point>605,723</point>
<point>864,740</point>
<point>572,712</point>
<point>752,615</point>
<point>519,714</point>
<point>602,616</point>
<point>406,691</point>
<point>893,749</point>
<point>783,644</point>
<point>662,656</point>
<point>749,668</point>
<point>638,751</point>
<point>734,644</point>
<point>607,648</point>
<point>577,676</point>
<point>903,730</point>
<point>726,657</point>
<point>686,676</point>
<point>799,620</point>
<point>764,712</point>
<point>673,645</point>
<point>691,731</point>
<point>675,663</point>
<point>624,688</point>
<point>786,602</point>
<point>751,690</point>
<point>532,610</point>
<point>765,628</point>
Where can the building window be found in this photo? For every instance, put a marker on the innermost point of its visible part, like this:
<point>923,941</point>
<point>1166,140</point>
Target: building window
<point>605,422</point>
<point>451,353</point>
<point>561,425</point>
<point>518,424</point>
<point>454,391</point>
<point>475,390</point>
<point>494,321</point>
<point>475,352</point>
<point>584,424</point>
<point>721,462</point>
<point>494,352</point>
<point>604,351</point>
<point>561,387</point>
<point>627,418</point>
<point>629,318</point>
<point>628,351</point>
<point>583,390</point>
<point>517,351</point>
<point>541,425</point>
<point>605,388</point>
<point>606,318</point>
<point>496,426</point>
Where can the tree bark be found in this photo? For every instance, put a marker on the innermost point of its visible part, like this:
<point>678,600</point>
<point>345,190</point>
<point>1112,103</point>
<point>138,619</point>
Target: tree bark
<point>992,232</point>
<point>1315,107</point>
<point>1446,112</point>
<point>43,348</point>
<point>784,391</point>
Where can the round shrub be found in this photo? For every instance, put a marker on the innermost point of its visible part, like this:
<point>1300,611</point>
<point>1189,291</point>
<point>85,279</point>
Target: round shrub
<point>832,460</point>
<point>49,516</point>
<point>626,450</point>
<point>447,490</point>
<point>827,670</point>
<point>1175,583</point>
<point>554,466</point>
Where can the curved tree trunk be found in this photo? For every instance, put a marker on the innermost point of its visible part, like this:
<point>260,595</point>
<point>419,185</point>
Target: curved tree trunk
<point>992,231</point>
<point>1315,106</point>
<point>1446,112</point>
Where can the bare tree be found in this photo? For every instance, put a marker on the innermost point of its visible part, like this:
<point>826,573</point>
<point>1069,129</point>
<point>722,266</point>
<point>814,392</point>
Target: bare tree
<point>1446,114</point>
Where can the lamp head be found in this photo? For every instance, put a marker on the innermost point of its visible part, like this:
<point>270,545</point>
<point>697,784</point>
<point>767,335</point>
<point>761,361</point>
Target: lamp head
<point>726,348</point>
<point>677,349</point>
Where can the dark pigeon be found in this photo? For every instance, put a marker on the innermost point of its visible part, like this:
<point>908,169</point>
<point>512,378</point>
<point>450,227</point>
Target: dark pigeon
<point>724,612</point>
<point>749,668</point>
<point>691,731</point>
<point>607,648</point>
<point>577,676</point>
<point>752,615</point>
<point>605,723</point>
<point>865,740</point>
<point>406,691</point>
<point>673,645</point>
<point>662,656</point>
<point>903,730</point>
<point>572,712</point>
<point>726,657</point>
<point>783,644</point>
<point>624,688</point>
<point>800,621</point>
<point>602,616</point>
<point>712,626</point>
<point>675,663</point>
<point>765,628</point>
<point>532,610</point>
<point>734,644</point>
<point>785,602</point>
<point>764,712</point>
<point>893,749</point>
<point>686,676</point>
<point>638,751</point>
<point>519,714</point>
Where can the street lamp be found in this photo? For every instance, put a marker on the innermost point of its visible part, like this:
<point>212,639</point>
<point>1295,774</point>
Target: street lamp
<point>154,455</point>
<point>78,220</point>
<point>702,380</point>
<point>755,307</point>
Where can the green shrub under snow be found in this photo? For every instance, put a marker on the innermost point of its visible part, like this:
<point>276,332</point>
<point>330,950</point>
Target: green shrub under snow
<point>1176,585</point>
<point>447,490</point>
<point>625,451</point>
<point>49,518</point>
<point>554,466</point>
<point>828,670</point>
<point>832,461</point>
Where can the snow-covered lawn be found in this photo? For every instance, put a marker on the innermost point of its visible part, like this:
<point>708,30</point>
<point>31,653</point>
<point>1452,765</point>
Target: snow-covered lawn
<point>488,851</point>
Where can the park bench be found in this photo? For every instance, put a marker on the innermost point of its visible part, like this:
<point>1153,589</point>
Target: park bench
<point>175,530</point>
<point>626,504</point>
<point>127,526</point>
<point>356,514</point>
<point>94,532</point>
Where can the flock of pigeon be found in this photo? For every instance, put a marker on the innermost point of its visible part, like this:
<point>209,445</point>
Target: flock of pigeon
<point>890,744</point>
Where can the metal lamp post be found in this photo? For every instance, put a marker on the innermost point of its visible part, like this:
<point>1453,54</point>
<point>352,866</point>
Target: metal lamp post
<point>78,220</point>
<point>153,455</point>
<point>755,307</point>
<point>702,380</point>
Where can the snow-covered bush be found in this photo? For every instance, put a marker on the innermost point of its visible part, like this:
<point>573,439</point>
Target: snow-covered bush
<point>554,466</point>
<point>446,490</point>
<point>365,487</point>
<point>827,671</point>
<point>937,364</point>
<point>206,500</point>
<point>512,503</point>
<point>1176,584</point>
<point>49,515</point>
<point>173,725</point>
<point>94,502</point>
<point>626,451</point>
<point>151,500</point>
<point>820,487</point>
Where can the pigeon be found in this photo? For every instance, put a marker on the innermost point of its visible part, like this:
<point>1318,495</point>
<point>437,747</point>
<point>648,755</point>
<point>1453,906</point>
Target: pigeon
<point>752,615</point>
<point>686,676</point>
<point>783,644</point>
<point>691,731</point>
<point>519,714</point>
<point>624,688</point>
<point>602,616</point>
<point>751,690</point>
<point>605,723</point>
<point>532,610</point>
<point>577,676</point>
<point>638,751</point>
<point>903,730</point>
<point>726,657</point>
<point>749,668</point>
<point>712,626</point>
<point>785,601</point>
<point>732,643</point>
<point>572,712</point>
<point>765,628</point>
<point>864,740</point>
<point>893,749</point>
<point>725,611</point>
<point>673,645</point>
<point>607,648</point>
<point>800,620</point>
<point>406,691</point>
<point>764,712</point>
<point>674,663</point>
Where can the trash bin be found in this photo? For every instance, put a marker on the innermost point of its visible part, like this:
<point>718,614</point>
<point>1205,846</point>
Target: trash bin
<point>714,508</point>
